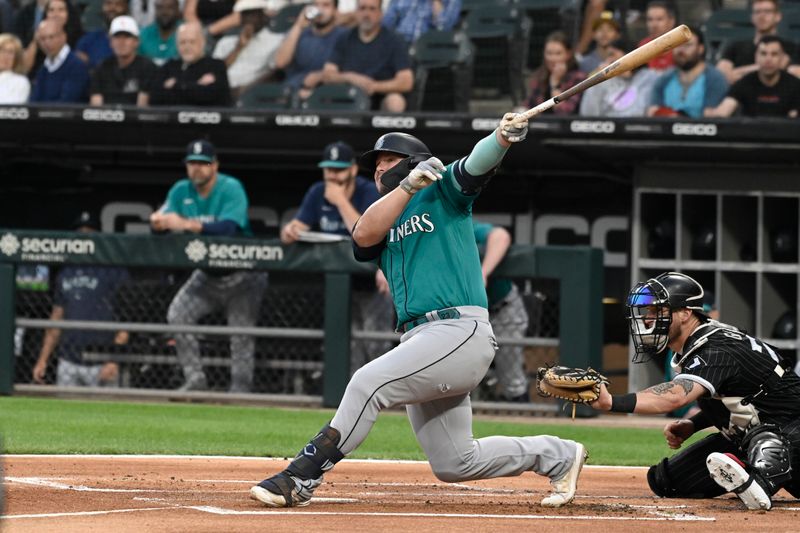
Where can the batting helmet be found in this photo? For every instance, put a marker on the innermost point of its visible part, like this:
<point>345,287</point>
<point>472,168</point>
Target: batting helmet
<point>399,143</point>
<point>650,305</point>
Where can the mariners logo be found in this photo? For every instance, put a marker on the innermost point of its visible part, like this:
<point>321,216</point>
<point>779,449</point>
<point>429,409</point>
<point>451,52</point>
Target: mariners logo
<point>9,244</point>
<point>196,251</point>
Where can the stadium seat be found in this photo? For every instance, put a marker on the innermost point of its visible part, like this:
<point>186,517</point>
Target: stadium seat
<point>267,96</point>
<point>500,35</point>
<point>726,25</point>
<point>283,20</point>
<point>443,71</point>
<point>337,97</point>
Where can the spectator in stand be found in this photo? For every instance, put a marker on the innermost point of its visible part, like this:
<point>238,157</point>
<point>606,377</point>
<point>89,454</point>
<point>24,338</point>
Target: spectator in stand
<point>208,202</point>
<point>95,47</point>
<point>558,72</point>
<point>63,77</point>
<point>770,91</point>
<point>249,55</point>
<point>693,86</point>
<point>661,18</point>
<point>411,18</point>
<point>14,87</point>
<point>333,206</point>
<point>373,58</point>
<point>157,40</point>
<point>82,293</point>
<point>307,46</point>
<point>606,30</point>
<point>125,77</point>
<point>738,57</point>
<point>194,79</point>
<point>626,95</point>
<point>63,12</point>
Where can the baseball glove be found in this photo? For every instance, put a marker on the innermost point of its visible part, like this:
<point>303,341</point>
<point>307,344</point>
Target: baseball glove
<point>572,384</point>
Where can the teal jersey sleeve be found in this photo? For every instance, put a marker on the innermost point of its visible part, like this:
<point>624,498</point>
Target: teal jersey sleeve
<point>482,230</point>
<point>232,202</point>
<point>175,197</point>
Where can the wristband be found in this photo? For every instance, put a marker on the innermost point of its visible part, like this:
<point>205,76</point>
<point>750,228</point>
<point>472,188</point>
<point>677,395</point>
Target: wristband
<point>405,184</point>
<point>624,403</point>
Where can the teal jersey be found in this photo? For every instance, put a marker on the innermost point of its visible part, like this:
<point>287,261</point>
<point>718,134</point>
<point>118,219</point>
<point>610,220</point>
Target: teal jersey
<point>226,201</point>
<point>498,288</point>
<point>430,259</point>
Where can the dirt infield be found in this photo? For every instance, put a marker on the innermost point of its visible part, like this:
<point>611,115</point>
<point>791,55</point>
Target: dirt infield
<point>124,493</point>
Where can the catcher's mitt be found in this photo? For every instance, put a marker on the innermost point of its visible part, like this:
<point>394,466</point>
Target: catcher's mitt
<point>572,384</point>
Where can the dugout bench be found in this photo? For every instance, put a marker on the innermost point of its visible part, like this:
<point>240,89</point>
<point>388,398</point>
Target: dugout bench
<point>579,270</point>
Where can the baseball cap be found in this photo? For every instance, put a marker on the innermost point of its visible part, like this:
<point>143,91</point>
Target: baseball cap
<point>337,155</point>
<point>85,219</point>
<point>200,150</point>
<point>606,17</point>
<point>247,5</point>
<point>124,24</point>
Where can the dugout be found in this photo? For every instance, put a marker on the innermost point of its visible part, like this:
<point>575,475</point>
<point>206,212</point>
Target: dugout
<point>576,181</point>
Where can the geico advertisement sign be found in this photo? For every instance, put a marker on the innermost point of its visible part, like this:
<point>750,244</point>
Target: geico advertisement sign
<point>104,115</point>
<point>689,128</point>
<point>14,113</point>
<point>199,117</point>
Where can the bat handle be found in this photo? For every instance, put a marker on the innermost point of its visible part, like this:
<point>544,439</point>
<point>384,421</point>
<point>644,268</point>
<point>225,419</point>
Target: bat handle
<point>541,108</point>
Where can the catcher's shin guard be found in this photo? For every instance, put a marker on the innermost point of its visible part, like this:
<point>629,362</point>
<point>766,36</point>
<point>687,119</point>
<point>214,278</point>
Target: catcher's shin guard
<point>768,455</point>
<point>295,485</point>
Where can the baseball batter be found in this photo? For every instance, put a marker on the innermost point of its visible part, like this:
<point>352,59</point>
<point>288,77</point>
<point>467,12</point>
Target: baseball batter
<point>420,233</point>
<point>742,385</point>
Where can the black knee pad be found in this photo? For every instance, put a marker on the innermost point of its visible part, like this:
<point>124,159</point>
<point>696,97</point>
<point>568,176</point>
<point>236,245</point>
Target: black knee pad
<point>659,480</point>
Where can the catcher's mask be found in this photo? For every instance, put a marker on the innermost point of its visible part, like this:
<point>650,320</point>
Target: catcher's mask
<point>397,142</point>
<point>650,306</point>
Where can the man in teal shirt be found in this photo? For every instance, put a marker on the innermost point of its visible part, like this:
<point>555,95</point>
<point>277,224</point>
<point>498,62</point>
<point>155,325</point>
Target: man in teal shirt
<point>211,203</point>
<point>421,235</point>
<point>157,40</point>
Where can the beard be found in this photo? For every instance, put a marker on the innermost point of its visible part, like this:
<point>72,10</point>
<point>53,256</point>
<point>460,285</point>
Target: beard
<point>689,64</point>
<point>166,24</point>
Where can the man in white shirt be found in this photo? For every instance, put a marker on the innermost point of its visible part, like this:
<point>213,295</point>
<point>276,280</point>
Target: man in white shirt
<point>249,56</point>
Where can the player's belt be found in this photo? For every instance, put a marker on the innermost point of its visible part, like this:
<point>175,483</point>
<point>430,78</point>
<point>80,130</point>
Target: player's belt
<point>448,313</point>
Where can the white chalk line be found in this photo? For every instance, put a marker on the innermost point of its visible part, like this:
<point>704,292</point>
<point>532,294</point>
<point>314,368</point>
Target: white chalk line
<point>669,518</point>
<point>84,513</point>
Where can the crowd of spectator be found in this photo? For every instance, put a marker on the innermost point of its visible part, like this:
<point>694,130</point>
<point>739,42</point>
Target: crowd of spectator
<point>211,52</point>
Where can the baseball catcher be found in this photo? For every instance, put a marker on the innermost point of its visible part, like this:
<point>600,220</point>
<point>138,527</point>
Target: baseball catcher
<point>742,385</point>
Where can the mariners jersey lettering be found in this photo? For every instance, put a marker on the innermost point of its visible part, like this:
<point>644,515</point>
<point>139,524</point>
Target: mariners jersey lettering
<point>434,235</point>
<point>730,363</point>
<point>226,201</point>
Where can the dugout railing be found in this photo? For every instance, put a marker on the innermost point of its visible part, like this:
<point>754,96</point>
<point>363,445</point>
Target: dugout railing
<point>577,271</point>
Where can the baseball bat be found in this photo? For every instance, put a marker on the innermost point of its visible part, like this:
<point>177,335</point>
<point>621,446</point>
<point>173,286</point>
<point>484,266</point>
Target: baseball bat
<point>631,60</point>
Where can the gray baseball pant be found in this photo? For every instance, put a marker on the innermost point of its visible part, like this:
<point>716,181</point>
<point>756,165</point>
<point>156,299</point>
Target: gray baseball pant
<point>240,293</point>
<point>510,320</point>
<point>432,372</point>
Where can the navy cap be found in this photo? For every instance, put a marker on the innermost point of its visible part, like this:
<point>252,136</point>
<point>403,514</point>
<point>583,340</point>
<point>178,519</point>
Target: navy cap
<point>200,150</point>
<point>337,155</point>
<point>85,219</point>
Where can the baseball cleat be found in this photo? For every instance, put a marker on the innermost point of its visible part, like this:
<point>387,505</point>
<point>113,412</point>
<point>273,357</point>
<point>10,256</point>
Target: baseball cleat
<point>564,488</point>
<point>729,473</point>
<point>284,490</point>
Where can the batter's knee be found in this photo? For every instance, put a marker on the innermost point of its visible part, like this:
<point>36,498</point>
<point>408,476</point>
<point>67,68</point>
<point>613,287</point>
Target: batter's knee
<point>449,471</point>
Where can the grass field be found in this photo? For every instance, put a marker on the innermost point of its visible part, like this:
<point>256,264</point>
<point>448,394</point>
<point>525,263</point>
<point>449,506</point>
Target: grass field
<point>39,426</point>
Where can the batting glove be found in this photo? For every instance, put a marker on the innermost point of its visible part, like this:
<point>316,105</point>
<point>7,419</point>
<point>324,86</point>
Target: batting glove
<point>423,175</point>
<point>511,131</point>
